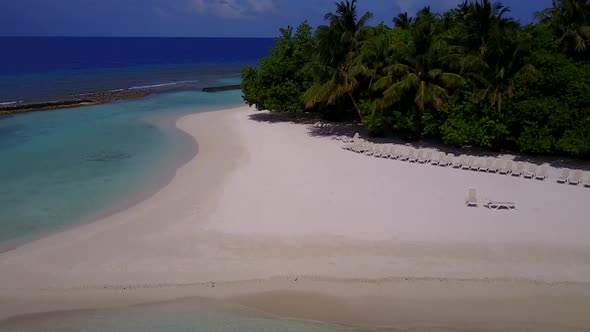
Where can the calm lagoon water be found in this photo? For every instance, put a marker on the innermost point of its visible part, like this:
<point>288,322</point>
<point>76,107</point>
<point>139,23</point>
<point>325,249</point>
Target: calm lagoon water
<point>60,167</point>
<point>182,315</point>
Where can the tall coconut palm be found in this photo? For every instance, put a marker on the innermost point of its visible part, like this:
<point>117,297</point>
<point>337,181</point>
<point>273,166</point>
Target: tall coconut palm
<point>334,65</point>
<point>570,20</point>
<point>344,32</point>
<point>479,20</point>
<point>403,21</point>
<point>418,73</point>
<point>498,71</point>
<point>337,82</point>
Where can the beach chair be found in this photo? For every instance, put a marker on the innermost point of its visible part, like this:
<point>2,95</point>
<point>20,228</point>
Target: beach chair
<point>471,200</point>
<point>458,163</point>
<point>517,172</point>
<point>492,205</point>
<point>577,178</point>
<point>498,163</point>
<point>420,155</point>
<point>350,146</point>
<point>565,175</point>
<point>436,160</point>
<point>380,151</point>
<point>469,163</point>
<point>531,172</point>
<point>426,157</point>
<point>412,156</point>
<point>404,154</point>
<point>488,163</point>
<point>477,164</point>
<point>449,161</point>
<point>377,151</point>
<point>542,173</point>
<point>394,152</point>
<point>440,158</point>
<point>506,168</point>
<point>369,149</point>
<point>385,151</point>
<point>587,181</point>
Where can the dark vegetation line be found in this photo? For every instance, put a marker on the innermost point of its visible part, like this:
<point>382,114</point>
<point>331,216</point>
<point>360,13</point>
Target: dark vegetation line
<point>468,76</point>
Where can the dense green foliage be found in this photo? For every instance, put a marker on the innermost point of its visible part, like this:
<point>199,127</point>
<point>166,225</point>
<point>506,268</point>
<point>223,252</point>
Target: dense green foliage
<point>469,76</point>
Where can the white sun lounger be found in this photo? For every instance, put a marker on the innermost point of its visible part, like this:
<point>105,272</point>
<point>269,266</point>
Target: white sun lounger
<point>477,164</point>
<point>469,163</point>
<point>488,163</point>
<point>370,149</point>
<point>458,163</point>
<point>498,163</point>
<point>587,181</point>
<point>577,178</point>
<point>426,157</point>
<point>492,205</point>
<point>542,173</point>
<point>506,168</point>
<point>436,160</point>
<point>531,172</point>
<point>394,152</point>
<point>420,156</point>
<point>565,175</point>
<point>377,150</point>
<point>404,154</point>
<point>471,198</point>
<point>449,161</point>
<point>385,151</point>
<point>350,146</point>
<point>412,156</point>
<point>519,169</point>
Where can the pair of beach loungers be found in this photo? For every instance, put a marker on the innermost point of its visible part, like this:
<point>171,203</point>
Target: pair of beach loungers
<point>472,201</point>
<point>574,179</point>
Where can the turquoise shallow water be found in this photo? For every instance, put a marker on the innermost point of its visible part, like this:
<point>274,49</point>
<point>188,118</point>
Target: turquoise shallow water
<point>64,166</point>
<point>182,315</point>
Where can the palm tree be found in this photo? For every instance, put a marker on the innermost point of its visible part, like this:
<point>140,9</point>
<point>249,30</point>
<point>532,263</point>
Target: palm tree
<point>570,20</point>
<point>403,21</point>
<point>335,65</point>
<point>479,20</point>
<point>418,73</point>
<point>498,71</point>
<point>345,31</point>
<point>339,81</point>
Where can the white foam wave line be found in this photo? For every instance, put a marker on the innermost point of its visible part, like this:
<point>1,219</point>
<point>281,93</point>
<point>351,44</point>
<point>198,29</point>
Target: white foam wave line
<point>160,85</point>
<point>6,103</point>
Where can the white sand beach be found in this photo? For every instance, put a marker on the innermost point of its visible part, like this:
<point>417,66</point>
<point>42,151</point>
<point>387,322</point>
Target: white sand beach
<point>273,218</point>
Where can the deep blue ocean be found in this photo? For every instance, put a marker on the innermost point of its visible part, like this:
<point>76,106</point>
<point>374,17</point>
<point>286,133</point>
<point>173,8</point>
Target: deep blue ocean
<point>47,68</point>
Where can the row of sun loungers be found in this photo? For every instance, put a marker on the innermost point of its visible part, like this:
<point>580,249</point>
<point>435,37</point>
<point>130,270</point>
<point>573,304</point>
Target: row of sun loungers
<point>464,162</point>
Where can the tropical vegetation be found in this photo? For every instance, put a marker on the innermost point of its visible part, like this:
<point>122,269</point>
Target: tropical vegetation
<point>468,76</point>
